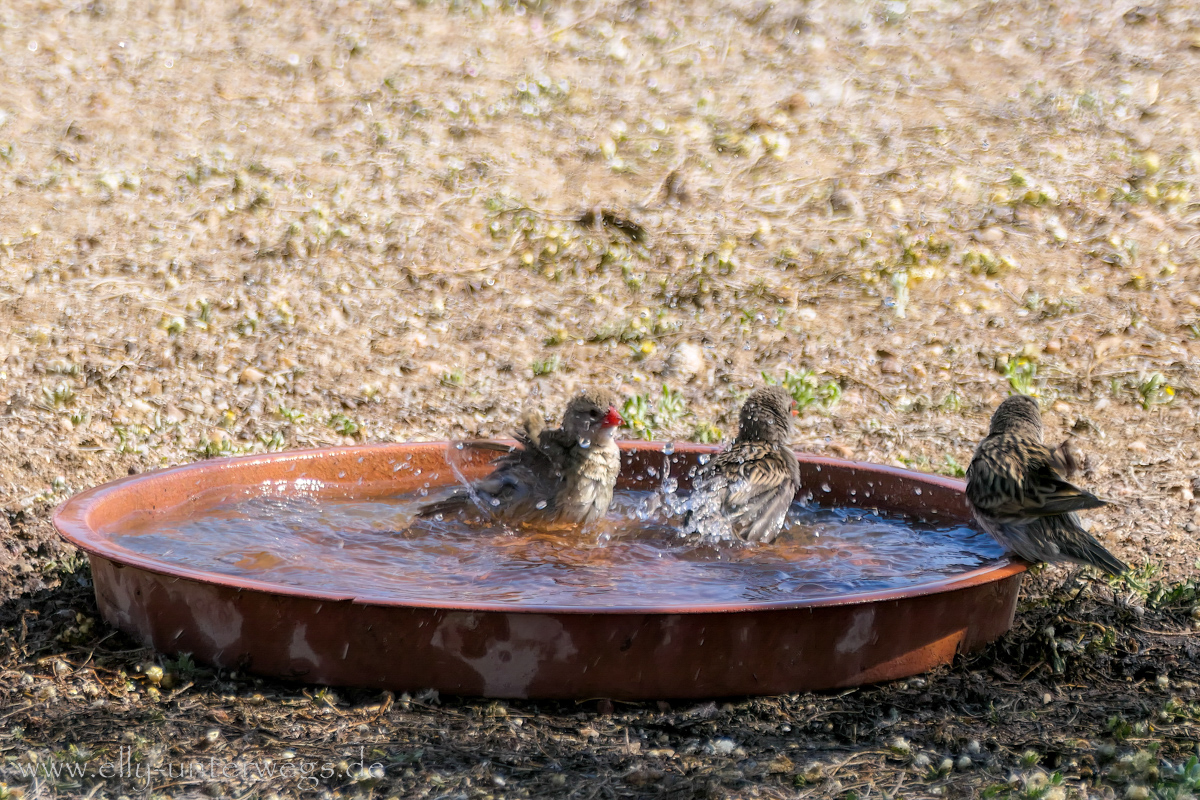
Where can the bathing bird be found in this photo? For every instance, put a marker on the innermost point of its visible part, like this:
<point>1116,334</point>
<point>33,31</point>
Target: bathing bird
<point>1018,493</point>
<point>555,475</point>
<point>747,489</point>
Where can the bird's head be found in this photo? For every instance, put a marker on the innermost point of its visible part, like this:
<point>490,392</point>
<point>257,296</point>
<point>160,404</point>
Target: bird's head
<point>592,416</point>
<point>767,416</point>
<point>1018,413</point>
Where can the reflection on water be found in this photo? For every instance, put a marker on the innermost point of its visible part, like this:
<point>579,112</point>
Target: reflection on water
<point>373,548</point>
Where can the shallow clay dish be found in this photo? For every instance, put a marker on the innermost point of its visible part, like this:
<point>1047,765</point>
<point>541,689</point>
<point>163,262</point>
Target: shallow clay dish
<point>502,650</point>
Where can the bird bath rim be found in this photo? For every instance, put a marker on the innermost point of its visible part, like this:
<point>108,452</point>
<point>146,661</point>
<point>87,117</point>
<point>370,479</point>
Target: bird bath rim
<point>75,519</point>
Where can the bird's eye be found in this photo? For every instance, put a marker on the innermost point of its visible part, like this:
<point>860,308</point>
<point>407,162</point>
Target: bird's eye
<point>594,413</point>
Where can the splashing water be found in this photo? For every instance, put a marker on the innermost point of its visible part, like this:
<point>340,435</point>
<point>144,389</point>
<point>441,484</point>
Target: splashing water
<point>373,548</point>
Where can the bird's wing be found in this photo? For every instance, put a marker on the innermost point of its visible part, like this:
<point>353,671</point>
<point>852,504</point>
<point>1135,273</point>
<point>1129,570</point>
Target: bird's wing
<point>769,520</point>
<point>1014,477</point>
<point>519,479</point>
<point>752,473</point>
<point>558,451</point>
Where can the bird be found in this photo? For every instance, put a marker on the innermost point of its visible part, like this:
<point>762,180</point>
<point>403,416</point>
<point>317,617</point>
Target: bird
<point>554,475</point>
<point>746,490</point>
<point>1018,493</point>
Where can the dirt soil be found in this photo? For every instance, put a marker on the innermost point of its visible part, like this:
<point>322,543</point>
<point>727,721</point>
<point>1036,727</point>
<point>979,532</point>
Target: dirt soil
<point>241,225</point>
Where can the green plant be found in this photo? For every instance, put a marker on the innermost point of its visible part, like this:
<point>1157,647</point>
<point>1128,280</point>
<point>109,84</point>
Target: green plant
<point>671,407</point>
<point>1155,390</point>
<point>272,442</point>
<point>706,433</point>
<point>545,366</point>
<point>807,389</point>
<point>455,378</point>
<point>1021,372</point>
<point>637,415</point>
<point>644,416</point>
<point>1141,580</point>
<point>211,448</point>
<point>1178,781</point>
<point>951,403</point>
<point>344,424</point>
<point>952,467</point>
<point>60,395</point>
<point>290,414</point>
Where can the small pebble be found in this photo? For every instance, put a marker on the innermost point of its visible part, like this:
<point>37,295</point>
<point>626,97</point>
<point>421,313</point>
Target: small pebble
<point>844,202</point>
<point>723,746</point>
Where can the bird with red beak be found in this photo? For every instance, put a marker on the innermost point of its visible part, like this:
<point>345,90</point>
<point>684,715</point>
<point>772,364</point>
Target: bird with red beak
<point>555,475</point>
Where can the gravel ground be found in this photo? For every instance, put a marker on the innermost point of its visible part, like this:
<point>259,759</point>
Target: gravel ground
<point>233,227</point>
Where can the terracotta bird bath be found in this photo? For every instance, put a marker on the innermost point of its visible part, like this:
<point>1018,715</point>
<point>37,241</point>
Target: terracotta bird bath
<point>503,649</point>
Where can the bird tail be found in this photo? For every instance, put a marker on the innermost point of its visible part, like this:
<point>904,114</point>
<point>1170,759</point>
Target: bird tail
<point>1076,544</point>
<point>447,505</point>
<point>1098,556</point>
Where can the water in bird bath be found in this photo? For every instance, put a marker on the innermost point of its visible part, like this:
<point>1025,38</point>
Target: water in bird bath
<point>373,547</point>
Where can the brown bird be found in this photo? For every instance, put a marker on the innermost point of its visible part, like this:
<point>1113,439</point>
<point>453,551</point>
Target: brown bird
<point>747,489</point>
<point>562,474</point>
<point>1017,492</point>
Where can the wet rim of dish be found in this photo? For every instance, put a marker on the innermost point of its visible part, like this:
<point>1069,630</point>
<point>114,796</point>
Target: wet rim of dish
<point>72,520</point>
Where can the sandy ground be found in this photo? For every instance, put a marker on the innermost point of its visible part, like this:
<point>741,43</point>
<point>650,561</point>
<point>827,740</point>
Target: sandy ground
<point>241,226</point>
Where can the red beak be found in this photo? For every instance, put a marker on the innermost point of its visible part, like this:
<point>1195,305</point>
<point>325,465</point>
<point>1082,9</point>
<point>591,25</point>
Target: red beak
<point>612,419</point>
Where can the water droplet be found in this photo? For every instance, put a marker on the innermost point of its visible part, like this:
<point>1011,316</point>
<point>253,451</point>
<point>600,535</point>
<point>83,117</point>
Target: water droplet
<point>668,448</point>
<point>704,459</point>
<point>917,491</point>
<point>458,445</point>
<point>585,443</point>
<point>541,504</point>
<point>825,487</point>
<point>818,466</point>
<point>651,471</point>
<point>495,501</point>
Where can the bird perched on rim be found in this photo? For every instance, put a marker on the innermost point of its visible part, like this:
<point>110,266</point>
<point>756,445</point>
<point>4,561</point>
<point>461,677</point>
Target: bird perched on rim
<point>562,474</point>
<point>1018,494</point>
<point>747,489</point>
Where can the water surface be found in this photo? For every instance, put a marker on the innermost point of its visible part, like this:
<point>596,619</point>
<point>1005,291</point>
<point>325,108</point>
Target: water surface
<point>375,549</point>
